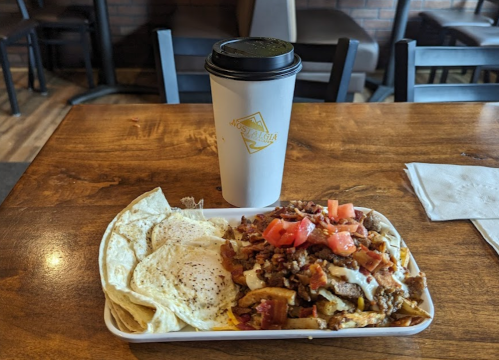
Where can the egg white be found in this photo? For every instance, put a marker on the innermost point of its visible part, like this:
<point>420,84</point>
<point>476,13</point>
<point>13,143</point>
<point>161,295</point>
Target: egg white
<point>179,227</point>
<point>189,279</point>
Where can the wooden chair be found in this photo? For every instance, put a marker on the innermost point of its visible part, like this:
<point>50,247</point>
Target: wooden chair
<point>408,56</point>
<point>171,83</point>
<point>20,32</point>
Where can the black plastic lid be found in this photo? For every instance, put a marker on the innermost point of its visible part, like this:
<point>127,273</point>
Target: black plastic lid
<point>253,59</point>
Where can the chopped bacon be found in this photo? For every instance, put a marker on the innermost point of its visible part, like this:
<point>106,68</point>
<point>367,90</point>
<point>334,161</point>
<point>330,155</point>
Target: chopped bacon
<point>364,271</point>
<point>245,326</point>
<point>308,312</point>
<point>318,278</point>
<point>237,274</point>
<point>236,270</point>
<point>254,247</point>
<point>359,215</point>
<point>289,216</point>
<point>274,313</point>
<point>385,278</point>
<point>228,253</point>
<point>361,231</point>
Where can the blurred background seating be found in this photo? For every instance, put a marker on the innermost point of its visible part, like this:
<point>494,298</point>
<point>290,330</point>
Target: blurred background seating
<point>278,19</point>
<point>444,20</point>
<point>64,26</point>
<point>17,31</point>
<point>175,87</point>
<point>408,57</point>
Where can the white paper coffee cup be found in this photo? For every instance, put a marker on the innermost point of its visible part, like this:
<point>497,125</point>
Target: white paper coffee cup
<point>252,108</point>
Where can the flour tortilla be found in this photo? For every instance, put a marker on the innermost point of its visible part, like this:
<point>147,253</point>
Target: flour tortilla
<point>126,242</point>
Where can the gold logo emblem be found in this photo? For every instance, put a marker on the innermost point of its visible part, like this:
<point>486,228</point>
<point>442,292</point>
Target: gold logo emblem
<point>254,132</point>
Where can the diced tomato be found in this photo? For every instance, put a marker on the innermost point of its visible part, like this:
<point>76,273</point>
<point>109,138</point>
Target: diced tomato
<point>332,209</point>
<point>283,233</point>
<point>274,231</point>
<point>304,230</point>
<point>346,211</point>
<point>341,243</point>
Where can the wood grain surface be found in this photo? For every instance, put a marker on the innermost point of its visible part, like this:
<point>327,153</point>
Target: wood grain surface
<point>98,160</point>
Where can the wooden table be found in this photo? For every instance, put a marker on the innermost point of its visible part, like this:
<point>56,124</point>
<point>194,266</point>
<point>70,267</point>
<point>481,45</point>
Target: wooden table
<point>98,160</point>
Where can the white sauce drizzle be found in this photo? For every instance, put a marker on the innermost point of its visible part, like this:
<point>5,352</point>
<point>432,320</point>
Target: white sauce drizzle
<point>392,242</point>
<point>399,277</point>
<point>252,279</point>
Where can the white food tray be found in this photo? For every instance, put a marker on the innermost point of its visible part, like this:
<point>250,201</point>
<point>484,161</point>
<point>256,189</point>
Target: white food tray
<point>233,215</point>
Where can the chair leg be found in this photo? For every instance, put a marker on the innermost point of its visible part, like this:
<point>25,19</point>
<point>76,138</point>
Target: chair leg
<point>38,61</point>
<point>476,75</point>
<point>31,68</point>
<point>9,83</point>
<point>86,57</point>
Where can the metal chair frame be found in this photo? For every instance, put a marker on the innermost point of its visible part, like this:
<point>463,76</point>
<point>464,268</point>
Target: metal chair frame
<point>342,55</point>
<point>26,30</point>
<point>408,57</point>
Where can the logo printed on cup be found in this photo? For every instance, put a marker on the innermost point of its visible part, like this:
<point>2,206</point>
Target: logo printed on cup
<point>254,132</point>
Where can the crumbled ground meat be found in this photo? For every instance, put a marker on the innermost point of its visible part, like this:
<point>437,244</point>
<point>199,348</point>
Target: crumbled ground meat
<point>325,253</point>
<point>416,285</point>
<point>348,290</point>
<point>229,233</point>
<point>389,300</point>
<point>372,222</point>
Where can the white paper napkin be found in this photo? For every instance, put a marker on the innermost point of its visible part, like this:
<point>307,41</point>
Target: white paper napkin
<point>451,192</point>
<point>490,231</point>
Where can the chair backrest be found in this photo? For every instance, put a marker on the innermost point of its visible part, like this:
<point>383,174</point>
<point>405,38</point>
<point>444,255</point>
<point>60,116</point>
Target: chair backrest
<point>170,83</point>
<point>408,57</point>
<point>342,55</point>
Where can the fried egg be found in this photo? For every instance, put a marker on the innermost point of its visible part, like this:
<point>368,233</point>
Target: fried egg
<point>181,228</point>
<point>188,278</point>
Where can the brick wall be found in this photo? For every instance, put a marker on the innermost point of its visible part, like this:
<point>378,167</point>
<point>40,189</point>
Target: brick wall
<point>132,21</point>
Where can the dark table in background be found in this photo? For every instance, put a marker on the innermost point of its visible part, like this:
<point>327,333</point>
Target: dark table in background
<point>107,74</point>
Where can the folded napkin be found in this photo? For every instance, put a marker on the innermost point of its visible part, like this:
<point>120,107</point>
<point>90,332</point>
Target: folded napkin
<point>490,231</point>
<point>451,192</point>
